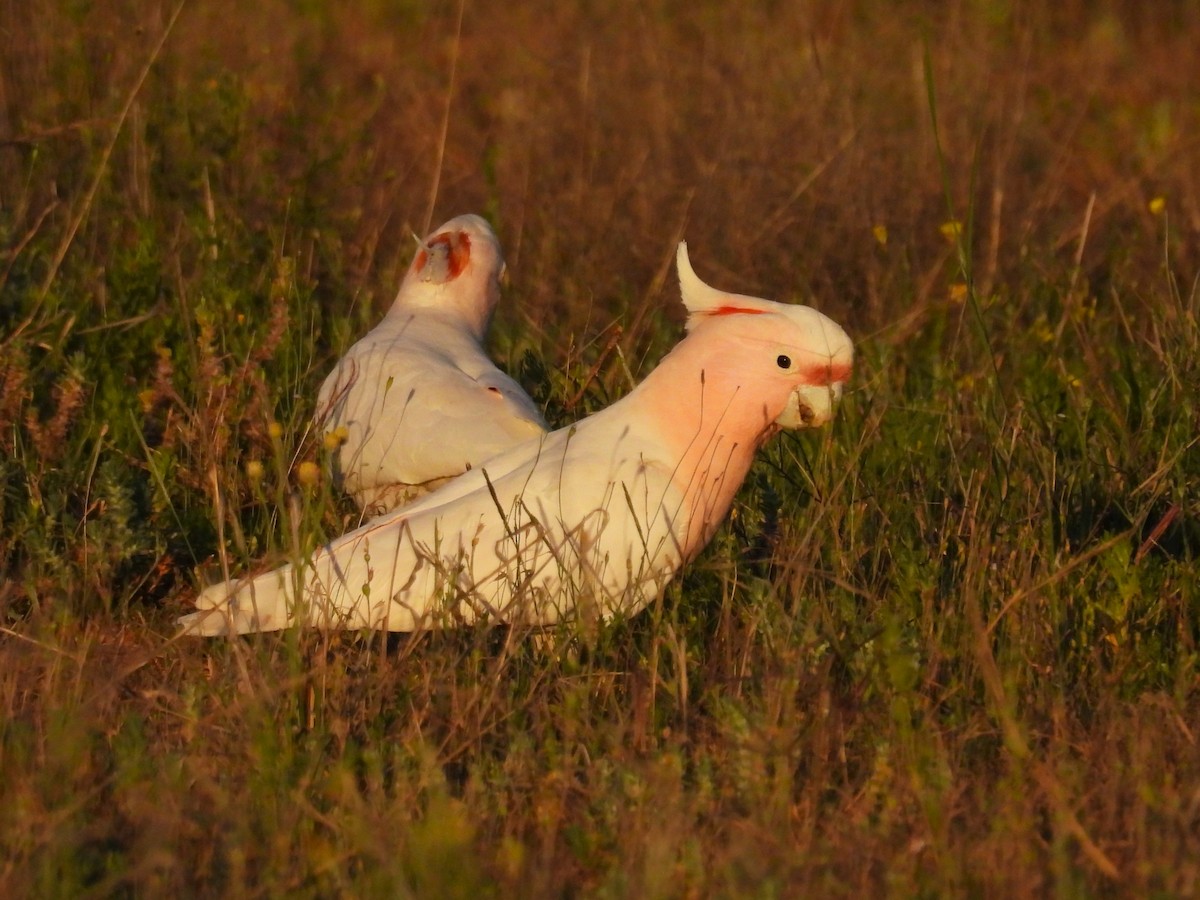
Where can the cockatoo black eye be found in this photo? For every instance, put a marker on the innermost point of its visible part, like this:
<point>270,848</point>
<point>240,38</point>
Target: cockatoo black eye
<point>783,361</point>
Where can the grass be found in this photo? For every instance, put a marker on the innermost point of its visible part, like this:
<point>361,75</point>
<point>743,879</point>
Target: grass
<point>947,646</point>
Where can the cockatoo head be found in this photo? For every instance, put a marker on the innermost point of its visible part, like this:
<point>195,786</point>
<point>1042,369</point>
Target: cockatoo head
<point>457,271</point>
<point>791,358</point>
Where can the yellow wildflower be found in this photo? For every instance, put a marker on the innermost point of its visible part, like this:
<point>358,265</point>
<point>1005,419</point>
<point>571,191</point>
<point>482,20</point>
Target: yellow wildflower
<point>308,473</point>
<point>951,230</point>
<point>337,437</point>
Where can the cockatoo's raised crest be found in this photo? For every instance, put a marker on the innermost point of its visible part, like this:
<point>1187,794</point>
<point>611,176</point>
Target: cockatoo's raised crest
<point>593,519</point>
<point>703,301</point>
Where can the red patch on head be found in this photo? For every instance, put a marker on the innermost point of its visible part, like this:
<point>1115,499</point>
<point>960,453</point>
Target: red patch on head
<point>422,258</point>
<point>827,374</point>
<point>735,310</point>
<point>458,251</point>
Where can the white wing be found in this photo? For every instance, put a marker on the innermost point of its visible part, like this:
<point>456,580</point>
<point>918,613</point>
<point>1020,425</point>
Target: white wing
<point>579,521</point>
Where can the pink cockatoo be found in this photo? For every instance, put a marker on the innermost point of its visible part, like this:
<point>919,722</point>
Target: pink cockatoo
<point>417,401</point>
<point>591,519</point>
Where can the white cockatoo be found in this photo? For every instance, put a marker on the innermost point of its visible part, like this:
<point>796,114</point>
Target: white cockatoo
<point>591,519</point>
<point>417,401</point>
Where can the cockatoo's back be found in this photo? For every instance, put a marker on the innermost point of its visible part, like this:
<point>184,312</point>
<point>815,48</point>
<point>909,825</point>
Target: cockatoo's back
<point>417,401</point>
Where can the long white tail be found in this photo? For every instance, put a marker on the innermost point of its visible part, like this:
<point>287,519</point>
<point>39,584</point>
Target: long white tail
<point>264,603</point>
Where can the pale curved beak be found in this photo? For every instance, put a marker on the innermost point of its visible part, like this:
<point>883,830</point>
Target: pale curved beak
<point>811,406</point>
